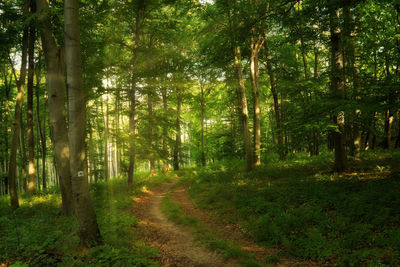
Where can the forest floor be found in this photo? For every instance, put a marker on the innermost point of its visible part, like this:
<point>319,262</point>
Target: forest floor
<point>176,244</point>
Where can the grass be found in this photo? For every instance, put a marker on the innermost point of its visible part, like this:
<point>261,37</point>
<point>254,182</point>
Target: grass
<point>311,214</point>
<point>36,234</point>
<point>206,235</point>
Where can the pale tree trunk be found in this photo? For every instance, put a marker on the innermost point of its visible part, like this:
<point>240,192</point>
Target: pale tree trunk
<point>276,103</point>
<point>255,47</point>
<point>12,167</point>
<point>177,147</point>
<point>29,116</point>
<point>165,131</point>
<point>244,115</point>
<point>337,88</point>
<point>54,58</point>
<point>88,229</point>
<point>132,94</point>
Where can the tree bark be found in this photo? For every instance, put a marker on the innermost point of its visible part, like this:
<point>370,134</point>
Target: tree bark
<point>203,111</point>
<point>165,131</point>
<point>54,58</point>
<point>150,109</point>
<point>337,89</point>
<point>12,167</point>
<point>276,103</point>
<point>42,130</point>
<point>88,229</point>
<point>29,116</point>
<point>255,47</point>
<point>244,115</point>
<point>106,160</point>
<point>132,96</point>
<point>177,147</point>
<point>6,115</point>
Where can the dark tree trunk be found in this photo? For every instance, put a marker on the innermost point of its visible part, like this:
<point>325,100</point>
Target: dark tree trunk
<point>178,141</point>
<point>29,116</point>
<point>337,88</point>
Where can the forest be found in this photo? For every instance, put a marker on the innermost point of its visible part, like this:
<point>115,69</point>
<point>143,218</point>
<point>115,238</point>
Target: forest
<point>199,133</point>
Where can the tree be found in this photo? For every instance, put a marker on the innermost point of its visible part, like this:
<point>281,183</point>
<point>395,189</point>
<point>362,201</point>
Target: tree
<point>88,229</point>
<point>55,60</point>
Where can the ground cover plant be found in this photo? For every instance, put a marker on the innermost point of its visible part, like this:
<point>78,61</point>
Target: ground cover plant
<point>37,235</point>
<point>348,220</point>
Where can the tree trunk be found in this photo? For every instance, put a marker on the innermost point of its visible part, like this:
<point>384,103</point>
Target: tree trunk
<point>132,113</point>
<point>387,142</point>
<point>337,88</point>
<point>88,229</point>
<point>42,131</point>
<point>178,141</point>
<point>244,116</point>
<point>12,167</point>
<point>29,116</point>
<point>54,58</point>
<point>203,111</point>
<point>165,132</point>
<point>6,115</point>
<point>105,163</point>
<point>150,109</point>
<point>255,47</point>
<point>276,103</point>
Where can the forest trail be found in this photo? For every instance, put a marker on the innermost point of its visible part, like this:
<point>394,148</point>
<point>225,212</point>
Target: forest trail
<point>175,243</point>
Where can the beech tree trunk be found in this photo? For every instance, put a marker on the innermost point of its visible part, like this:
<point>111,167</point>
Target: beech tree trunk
<point>177,147</point>
<point>6,115</point>
<point>55,81</point>
<point>42,130</point>
<point>203,111</point>
<point>337,88</point>
<point>276,103</point>
<point>12,167</point>
<point>150,109</point>
<point>244,115</point>
<point>255,47</point>
<point>29,116</point>
<point>165,132</point>
<point>132,98</point>
<point>88,229</point>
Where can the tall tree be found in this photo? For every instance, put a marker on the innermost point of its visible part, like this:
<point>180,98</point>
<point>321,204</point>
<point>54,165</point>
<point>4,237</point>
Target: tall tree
<point>337,88</point>
<point>55,81</point>
<point>12,167</point>
<point>88,229</point>
<point>30,127</point>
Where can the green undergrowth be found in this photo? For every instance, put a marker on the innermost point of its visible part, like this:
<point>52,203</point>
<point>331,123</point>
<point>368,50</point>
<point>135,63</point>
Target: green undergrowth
<point>205,235</point>
<point>37,235</point>
<point>311,214</point>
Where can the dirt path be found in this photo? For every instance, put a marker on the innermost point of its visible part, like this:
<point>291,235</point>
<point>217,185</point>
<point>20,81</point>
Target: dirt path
<point>175,243</point>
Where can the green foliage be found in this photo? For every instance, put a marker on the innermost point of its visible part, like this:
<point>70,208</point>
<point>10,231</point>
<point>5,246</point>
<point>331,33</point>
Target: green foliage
<point>325,218</point>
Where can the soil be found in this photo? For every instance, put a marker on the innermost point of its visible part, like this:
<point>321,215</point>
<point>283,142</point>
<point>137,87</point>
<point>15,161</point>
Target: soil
<point>175,243</point>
